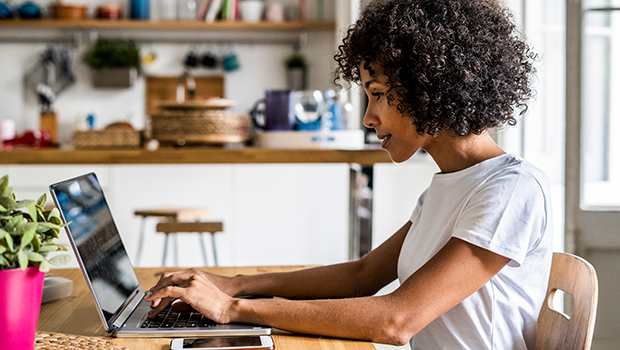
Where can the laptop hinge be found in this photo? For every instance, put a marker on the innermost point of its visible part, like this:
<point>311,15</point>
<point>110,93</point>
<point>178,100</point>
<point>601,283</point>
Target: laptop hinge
<point>122,317</point>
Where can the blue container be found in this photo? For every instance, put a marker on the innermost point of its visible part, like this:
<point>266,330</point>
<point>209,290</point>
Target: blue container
<point>139,9</point>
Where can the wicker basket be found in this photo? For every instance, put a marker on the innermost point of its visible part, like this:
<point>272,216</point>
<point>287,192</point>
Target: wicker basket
<point>200,126</point>
<point>59,341</point>
<point>112,138</point>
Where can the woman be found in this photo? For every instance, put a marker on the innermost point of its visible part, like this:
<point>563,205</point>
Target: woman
<point>474,259</point>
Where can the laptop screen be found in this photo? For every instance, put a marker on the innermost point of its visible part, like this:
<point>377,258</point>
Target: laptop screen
<point>94,234</point>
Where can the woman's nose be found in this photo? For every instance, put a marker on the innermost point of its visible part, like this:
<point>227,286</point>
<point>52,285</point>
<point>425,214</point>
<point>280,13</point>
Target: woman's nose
<point>370,120</point>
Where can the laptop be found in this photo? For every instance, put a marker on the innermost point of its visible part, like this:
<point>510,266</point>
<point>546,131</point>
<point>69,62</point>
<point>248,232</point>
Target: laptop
<point>110,275</point>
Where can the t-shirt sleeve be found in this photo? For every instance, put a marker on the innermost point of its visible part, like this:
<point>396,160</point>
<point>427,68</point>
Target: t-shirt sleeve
<point>507,215</point>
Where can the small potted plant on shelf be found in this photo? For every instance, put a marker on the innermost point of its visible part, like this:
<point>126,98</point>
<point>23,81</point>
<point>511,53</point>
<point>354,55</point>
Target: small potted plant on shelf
<point>27,233</point>
<point>115,63</point>
<point>296,72</point>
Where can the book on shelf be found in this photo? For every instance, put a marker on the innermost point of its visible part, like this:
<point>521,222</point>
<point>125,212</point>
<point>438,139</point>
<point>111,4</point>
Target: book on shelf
<point>214,9</point>
<point>202,10</point>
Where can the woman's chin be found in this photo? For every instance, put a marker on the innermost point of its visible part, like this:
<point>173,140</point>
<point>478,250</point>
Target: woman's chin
<point>399,157</point>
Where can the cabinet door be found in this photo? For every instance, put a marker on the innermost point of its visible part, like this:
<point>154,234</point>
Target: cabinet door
<point>291,214</point>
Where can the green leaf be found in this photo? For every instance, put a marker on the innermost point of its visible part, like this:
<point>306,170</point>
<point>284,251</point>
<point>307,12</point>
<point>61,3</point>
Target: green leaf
<point>42,201</point>
<point>49,225</point>
<point>9,241</point>
<point>11,223</point>
<point>36,243</point>
<point>24,203</point>
<point>48,229</point>
<point>2,208</point>
<point>23,259</point>
<point>27,237</point>
<point>32,256</point>
<point>4,183</point>
<point>50,247</point>
<point>54,213</point>
<point>60,260</point>
<point>2,249</point>
<point>32,210</point>
<point>62,247</point>
<point>3,261</point>
<point>40,215</point>
<point>44,266</point>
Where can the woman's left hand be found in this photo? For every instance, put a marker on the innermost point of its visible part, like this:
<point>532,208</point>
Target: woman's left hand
<point>195,291</point>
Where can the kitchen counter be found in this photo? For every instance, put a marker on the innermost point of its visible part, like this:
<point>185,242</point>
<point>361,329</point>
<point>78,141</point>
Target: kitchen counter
<point>192,155</point>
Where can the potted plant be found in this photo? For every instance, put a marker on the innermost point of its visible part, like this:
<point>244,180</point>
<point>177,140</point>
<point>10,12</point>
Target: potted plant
<point>115,63</point>
<point>296,72</point>
<point>27,233</point>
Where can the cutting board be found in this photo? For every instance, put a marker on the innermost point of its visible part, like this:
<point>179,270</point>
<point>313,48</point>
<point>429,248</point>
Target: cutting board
<point>164,88</point>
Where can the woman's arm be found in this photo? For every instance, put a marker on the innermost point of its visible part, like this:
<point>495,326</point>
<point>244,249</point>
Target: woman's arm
<point>362,277</point>
<point>454,273</point>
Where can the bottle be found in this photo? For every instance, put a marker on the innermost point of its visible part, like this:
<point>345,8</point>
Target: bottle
<point>139,9</point>
<point>90,120</point>
<point>186,10</point>
<point>168,9</point>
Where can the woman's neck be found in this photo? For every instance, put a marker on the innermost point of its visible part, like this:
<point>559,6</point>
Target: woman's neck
<point>457,153</point>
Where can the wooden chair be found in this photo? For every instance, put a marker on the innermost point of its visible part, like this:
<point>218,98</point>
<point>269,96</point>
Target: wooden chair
<point>556,330</point>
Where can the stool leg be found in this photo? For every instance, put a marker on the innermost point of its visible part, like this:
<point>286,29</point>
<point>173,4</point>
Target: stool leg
<point>214,249</point>
<point>140,240</point>
<point>204,250</point>
<point>176,250</point>
<point>163,262</point>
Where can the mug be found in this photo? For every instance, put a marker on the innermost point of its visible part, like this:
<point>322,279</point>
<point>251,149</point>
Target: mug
<point>209,60</point>
<point>251,10</point>
<point>276,114</point>
<point>7,129</point>
<point>230,62</point>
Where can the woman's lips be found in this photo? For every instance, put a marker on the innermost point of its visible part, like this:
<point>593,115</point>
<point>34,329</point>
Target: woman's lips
<point>384,140</point>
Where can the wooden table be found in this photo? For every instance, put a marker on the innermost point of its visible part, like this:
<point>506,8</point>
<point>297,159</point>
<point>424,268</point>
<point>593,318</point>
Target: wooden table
<point>77,314</point>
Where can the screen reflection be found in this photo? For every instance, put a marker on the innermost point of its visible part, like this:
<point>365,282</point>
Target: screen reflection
<point>98,242</point>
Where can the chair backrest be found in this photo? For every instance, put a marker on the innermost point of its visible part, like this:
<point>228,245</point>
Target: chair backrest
<point>556,330</point>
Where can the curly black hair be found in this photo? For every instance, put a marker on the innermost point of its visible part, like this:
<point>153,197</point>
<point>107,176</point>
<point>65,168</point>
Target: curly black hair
<point>457,65</point>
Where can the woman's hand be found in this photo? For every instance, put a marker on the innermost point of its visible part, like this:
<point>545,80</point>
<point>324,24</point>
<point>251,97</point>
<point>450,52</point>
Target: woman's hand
<point>194,289</point>
<point>223,283</point>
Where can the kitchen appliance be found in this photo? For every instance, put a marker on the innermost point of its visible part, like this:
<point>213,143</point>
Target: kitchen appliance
<point>335,139</point>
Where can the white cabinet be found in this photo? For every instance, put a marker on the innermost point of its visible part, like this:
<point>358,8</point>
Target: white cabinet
<point>276,214</point>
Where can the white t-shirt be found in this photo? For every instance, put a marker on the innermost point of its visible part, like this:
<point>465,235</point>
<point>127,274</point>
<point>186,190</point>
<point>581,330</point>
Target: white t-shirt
<point>503,205</point>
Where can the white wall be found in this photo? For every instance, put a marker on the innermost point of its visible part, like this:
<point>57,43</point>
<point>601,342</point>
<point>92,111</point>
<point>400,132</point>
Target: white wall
<point>261,67</point>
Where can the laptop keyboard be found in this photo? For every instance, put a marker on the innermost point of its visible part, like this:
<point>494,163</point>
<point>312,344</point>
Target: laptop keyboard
<point>171,319</point>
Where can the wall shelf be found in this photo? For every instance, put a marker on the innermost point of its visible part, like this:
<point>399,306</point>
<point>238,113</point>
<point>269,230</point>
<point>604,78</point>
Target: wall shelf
<point>81,32</point>
<point>93,24</point>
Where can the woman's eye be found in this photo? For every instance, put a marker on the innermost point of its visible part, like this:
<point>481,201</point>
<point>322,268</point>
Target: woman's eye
<point>377,95</point>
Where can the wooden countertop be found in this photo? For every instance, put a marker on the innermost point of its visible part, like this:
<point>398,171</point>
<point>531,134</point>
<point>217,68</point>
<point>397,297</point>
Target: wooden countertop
<point>191,155</point>
<point>77,315</point>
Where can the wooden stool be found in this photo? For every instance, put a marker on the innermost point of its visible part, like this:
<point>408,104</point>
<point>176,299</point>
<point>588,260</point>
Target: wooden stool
<point>201,227</point>
<point>167,214</point>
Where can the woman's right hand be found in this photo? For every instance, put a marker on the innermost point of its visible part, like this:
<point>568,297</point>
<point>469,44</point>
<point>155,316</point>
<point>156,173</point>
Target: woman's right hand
<point>176,278</point>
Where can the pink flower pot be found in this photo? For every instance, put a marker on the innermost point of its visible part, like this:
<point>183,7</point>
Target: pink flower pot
<point>20,302</point>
